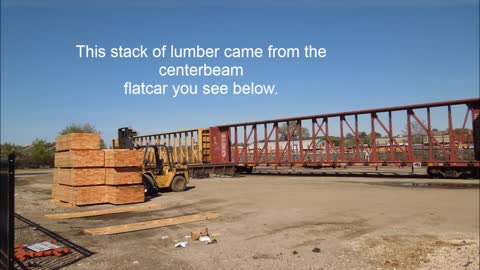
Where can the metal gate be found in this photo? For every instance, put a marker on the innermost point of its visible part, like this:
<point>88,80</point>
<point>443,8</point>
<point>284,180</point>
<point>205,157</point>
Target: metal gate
<point>7,193</point>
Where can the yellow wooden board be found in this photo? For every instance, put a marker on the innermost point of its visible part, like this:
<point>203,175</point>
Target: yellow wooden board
<point>109,211</point>
<point>139,226</point>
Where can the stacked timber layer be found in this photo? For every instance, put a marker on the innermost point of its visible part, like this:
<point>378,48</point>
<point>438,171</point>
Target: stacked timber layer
<point>123,176</point>
<point>79,176</point>
<point>78,141</point>
<point>125,194</point>
<point>80,195</point>
<point>85,174</point>
<point>80,159</point>
<point>123,158</point>
<point>123,167</point>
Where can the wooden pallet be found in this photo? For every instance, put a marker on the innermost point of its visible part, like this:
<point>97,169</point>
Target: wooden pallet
<point>79,176</point>
<point>78,141</point>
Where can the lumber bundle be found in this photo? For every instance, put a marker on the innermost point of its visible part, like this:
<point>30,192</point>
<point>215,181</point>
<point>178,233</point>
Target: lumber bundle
<point>80,159</point>
<point>125,194</point>
<point>78,141</point>
<point>123,158</point>
<point>79,176</point>
<point>123,176</point>
<point>85,174</point>
<point>81,195</point>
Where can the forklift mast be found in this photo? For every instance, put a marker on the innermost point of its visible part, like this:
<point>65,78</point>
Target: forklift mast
<point>125,138</point>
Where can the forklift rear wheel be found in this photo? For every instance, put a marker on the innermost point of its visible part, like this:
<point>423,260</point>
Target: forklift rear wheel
<point>179,183</point>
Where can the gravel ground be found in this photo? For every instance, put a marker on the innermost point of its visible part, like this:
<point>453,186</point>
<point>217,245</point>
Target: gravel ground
<point>275,222</point>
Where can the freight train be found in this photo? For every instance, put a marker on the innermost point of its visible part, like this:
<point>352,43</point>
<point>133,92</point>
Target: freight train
<point>442,136</point>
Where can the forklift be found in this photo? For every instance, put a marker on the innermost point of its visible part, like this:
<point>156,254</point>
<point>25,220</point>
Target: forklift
<point>158,170</point>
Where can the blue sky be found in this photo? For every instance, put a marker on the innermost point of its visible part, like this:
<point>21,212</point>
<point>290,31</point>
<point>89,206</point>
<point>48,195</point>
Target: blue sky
<point>378,54</point>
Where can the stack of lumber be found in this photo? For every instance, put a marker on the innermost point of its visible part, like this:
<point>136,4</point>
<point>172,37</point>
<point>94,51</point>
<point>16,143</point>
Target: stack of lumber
<point>123,175</point>
<point>85,174</point>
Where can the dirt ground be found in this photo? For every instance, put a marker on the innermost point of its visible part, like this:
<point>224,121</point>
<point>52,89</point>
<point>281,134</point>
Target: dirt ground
<point>277,222</point>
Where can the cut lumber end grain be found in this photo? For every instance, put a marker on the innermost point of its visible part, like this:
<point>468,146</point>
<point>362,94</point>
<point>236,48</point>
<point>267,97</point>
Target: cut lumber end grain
<point>123,158</point>
<point>123,176</point>
<point>115,210</point>
<point>79,176</point>
<point>125,194</point>
<point>78,141</point>
<point>80,195</point>
<point>80,159</point>
<point>151,224</point>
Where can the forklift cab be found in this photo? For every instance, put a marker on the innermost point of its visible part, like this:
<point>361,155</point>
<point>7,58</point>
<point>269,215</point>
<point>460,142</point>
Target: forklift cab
<point>154,161</point>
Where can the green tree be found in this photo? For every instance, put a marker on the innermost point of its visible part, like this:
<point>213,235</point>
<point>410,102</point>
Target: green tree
<point>283,130</point>
<point>335,140</point>
<point>418,133</point>
<point>82,128</point>
<point>41,152</point>
<point>7,148</point>
<point>79,128</point>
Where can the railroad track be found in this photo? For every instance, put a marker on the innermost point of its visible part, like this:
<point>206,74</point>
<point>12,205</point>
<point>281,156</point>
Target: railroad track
<point>341,174</point>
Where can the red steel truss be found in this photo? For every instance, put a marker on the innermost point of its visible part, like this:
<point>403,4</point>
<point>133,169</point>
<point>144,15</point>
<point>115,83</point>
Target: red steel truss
<point>280,142</point>
<point>444,136</point>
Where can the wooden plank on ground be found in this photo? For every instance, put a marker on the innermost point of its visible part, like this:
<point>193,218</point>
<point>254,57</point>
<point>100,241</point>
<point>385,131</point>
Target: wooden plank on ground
<point>139,226</point>
<point>101,212</point>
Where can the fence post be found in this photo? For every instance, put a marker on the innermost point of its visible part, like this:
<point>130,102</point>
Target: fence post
<point>7,208</point>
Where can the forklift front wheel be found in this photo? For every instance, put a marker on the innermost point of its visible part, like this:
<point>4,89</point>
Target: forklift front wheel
<point>147,185</point>
<point>179,183</point>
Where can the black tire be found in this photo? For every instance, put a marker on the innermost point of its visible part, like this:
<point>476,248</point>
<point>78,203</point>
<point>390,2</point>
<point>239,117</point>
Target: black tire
<point>147,181</point>
<point>179,183</point>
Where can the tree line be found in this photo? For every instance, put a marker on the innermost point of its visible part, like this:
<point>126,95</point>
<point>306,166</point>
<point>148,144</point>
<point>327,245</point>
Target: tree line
<point>40,153</point>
